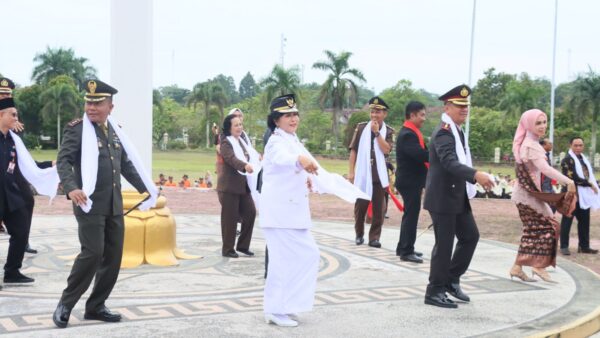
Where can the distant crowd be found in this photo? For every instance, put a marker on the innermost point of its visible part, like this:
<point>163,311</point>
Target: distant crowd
<point>185,182</point>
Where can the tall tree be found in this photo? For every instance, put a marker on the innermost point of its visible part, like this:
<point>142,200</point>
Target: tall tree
<point>60,98</point>
<point>340,85</point>
<point>54,62</point>
<point>586,102</point>
<point>228,85</point>
<point>281,81</point>
<point>174,92</point>
<point>525,93</point>
<point>491,88</point>
<point>208,93</point>
<point>248,87</point>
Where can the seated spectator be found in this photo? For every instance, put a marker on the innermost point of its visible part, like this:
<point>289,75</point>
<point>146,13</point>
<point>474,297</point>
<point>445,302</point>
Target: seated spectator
<point>202,183</point>
<point>185,182</point>
<point>208,179</point>
<point>161,180</point>
<point>170,182</point>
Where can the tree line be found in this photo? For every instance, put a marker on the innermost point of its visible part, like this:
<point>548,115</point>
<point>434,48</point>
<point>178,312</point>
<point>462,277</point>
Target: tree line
<point>330,110</point>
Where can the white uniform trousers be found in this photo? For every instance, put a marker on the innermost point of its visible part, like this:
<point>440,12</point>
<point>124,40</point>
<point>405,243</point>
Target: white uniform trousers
<point>293,269</point>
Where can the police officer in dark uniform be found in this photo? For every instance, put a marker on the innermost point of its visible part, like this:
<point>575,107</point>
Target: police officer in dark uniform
<point>379,111</point>
<point>101,230</point>
<point>6,90</point>
<point>16,198</point>
<point>447,202</point>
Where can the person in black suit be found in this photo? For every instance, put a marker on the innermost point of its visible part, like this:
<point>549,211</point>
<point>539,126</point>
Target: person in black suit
<point>412,163</point>
<point>447,200</point>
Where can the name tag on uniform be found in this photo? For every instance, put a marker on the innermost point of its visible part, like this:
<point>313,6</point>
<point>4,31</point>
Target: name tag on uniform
<point>11,168</point>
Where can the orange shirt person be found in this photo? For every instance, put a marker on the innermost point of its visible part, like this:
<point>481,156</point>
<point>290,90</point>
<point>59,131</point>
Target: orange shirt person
<point>170,182</point>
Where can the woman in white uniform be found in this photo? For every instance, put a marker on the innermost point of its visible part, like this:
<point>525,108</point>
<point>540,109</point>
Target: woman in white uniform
<point>285,218</point>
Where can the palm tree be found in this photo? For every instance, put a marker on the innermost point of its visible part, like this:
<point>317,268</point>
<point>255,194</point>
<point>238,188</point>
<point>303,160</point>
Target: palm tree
<point>54,62</point>
<point>586,100</point>
<point>208,93</point>
<point>340,84</point>
<point>281,81</point>
<point>60,98</point>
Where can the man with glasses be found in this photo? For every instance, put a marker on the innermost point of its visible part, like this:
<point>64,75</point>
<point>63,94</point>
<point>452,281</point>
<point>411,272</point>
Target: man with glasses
<point>449,186</point>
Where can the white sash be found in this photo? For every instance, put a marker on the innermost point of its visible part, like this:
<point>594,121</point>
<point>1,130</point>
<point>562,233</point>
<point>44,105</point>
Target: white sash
<point>325,182</point>
<point>464,157</point>
<point>254,156</point>
<point>363,178</point>
<point>587,197</point>
<point>89,163</point>
<point>45,181</point>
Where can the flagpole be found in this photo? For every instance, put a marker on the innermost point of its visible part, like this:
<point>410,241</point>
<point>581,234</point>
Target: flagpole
<point>553,89</point>
<point>467,127</point>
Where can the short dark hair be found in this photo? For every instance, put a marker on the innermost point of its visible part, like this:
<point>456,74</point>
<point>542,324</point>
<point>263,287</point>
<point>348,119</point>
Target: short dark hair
<point>227,124</point>
<point>575,138</point>
<point>413,107</point>
<point>544,140</point>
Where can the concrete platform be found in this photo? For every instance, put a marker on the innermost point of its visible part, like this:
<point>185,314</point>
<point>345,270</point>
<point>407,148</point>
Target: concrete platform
<point>362,291</point>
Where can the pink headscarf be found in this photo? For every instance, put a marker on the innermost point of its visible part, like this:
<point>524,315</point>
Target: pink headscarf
<point>526,124</point>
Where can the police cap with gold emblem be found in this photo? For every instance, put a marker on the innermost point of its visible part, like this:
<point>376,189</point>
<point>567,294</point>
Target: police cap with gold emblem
<point>96,91</point>
<point>284,104</point>
<point>378,103</point>
<point>6,85</point>
<point>458,95</point>
<point>6,103</point>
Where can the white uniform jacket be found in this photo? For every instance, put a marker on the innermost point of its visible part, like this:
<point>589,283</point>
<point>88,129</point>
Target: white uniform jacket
<point>284,193</point>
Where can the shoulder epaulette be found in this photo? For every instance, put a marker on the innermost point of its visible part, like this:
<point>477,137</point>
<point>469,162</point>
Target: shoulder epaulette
<point>75,122</point>
<point>390,128</point>
<point>446,126</point>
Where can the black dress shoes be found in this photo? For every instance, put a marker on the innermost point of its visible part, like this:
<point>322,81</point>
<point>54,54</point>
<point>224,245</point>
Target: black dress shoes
<point>375,243</point>
<point>231,254</point>
<point>61,316</point>
<point>455,291</point>
<point>359,240</point>
<point>411,258</point>
<point>420,254</point>
<point>30,250</point>
<point>246,252</point>
<point>587,250</point>
<point>440,300</point>
<point>17,278</point>
<point>104,314</point>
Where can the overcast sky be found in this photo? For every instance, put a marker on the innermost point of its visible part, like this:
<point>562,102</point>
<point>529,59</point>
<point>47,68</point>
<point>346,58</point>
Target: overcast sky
<point>424,41</point>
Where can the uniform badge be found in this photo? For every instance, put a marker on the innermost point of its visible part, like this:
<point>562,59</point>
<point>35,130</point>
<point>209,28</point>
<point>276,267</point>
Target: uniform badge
<point>4,83</point>
<point>446,126</point>
<point>11,167</point>
<point>92,86</point>
<point>464,92</point>
<point>99,143</point>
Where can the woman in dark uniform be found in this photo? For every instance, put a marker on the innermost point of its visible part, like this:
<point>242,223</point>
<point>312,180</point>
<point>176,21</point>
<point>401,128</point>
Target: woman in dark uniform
<point>234,193</point>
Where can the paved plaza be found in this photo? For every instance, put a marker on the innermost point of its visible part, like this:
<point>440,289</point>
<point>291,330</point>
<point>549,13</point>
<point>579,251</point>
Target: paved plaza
<point>361,292</point>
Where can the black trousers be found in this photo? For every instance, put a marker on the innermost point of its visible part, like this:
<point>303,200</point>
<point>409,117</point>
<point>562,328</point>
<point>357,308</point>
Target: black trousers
<point>583,228</point>
<point>101,239</point>
<point>446,266</point>
<point>233,208</point>
<point>17,224</point>
<point>408,228</point>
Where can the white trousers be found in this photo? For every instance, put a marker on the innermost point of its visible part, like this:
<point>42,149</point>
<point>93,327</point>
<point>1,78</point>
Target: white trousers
<point>292,273</point>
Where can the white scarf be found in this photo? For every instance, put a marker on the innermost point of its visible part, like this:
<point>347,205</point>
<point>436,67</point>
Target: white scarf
<point>325,182</point>
<point>363,178</point>
<point>464,156</point>
<point>89,163</point>
<point>254,156</point>
<point>45,181</point>
<point>587,197</point>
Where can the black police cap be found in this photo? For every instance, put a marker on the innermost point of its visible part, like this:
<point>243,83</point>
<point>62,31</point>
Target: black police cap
<point>378,103</point>
<point>96,91</point>
<point>458,95</point>
<point>284,104</point>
